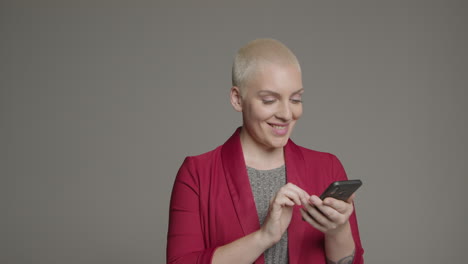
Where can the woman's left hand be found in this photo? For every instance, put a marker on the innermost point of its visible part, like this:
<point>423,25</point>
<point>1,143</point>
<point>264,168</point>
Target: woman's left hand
<point>329,215</point>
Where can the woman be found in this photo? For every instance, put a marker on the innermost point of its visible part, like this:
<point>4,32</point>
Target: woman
<point>254,198</point>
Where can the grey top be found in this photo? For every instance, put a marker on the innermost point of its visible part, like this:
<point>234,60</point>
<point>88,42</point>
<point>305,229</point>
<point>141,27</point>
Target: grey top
<point>265,184</point>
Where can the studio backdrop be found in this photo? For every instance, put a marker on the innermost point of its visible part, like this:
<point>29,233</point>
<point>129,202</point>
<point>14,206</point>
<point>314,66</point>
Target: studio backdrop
<point>101,101</point>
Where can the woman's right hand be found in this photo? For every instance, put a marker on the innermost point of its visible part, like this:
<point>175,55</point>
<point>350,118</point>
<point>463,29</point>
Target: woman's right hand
<point>280,212</point>
<point>248,248</point>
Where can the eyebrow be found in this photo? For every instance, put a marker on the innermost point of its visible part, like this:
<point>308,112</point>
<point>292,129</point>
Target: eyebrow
<point>277,94</point>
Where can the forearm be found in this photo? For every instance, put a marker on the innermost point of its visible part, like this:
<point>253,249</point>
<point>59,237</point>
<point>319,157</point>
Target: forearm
<point>339,246</point>
<point>243,250</point>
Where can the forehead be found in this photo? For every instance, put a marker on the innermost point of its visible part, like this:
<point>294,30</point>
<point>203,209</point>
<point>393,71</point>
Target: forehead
<point>277,78</point>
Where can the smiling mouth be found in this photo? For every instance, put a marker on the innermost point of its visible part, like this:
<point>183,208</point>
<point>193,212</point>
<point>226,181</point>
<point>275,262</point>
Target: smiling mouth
<point>278,126</point>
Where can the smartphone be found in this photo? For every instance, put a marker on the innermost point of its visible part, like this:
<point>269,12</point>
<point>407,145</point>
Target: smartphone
<point>341,190</point>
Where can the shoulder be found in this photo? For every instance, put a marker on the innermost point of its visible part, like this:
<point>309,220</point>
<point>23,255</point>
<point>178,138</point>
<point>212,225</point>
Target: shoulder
<point>206,157</point>
<point>314,159</point>
<point>195,170</point>
<point>324,162</point>
<point>202,161</point>
<point>321,157</point>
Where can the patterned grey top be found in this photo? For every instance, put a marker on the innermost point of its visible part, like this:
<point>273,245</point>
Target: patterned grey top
<point>265,184</point>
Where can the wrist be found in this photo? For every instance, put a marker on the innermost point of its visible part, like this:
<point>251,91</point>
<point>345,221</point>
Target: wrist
<point>339,244</point>
<point>340,232</point>
<point>264,239</point>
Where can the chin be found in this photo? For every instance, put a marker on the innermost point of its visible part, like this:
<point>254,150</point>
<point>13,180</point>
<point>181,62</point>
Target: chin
<point>279,143</point>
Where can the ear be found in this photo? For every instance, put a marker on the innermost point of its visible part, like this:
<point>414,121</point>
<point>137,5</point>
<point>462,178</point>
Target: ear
<point>236,99</point>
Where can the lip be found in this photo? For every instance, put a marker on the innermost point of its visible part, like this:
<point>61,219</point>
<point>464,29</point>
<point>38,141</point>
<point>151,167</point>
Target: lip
<point>279,131</point>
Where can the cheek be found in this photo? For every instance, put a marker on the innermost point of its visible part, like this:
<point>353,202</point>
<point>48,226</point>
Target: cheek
<point>297,112</point>
<point>260,112</point>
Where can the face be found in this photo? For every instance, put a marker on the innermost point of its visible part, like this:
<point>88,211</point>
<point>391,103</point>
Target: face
<point>270,104</point>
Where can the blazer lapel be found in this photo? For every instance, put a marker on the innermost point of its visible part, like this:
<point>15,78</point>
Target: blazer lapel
<point>238,183</point>
<point>295,171</point>
<point>295,163</point>
<point>242,197</point>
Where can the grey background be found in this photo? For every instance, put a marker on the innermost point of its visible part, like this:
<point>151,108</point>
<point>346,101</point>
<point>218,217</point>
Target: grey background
<point>101,101</point>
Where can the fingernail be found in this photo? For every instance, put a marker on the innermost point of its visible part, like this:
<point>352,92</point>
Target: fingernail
<point>313,199</point>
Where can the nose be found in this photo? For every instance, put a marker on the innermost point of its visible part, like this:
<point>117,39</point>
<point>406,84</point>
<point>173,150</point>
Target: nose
<point>284,111</point>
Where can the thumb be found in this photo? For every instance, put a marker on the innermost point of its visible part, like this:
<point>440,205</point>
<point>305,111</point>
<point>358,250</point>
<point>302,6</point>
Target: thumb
<point>351,198</point>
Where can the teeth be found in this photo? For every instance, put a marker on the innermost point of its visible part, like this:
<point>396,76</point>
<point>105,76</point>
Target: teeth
<point>278,127</point>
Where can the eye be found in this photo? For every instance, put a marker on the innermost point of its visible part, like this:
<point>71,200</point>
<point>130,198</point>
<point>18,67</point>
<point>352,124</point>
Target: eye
<point>268,102</point>
<point>296,100</point>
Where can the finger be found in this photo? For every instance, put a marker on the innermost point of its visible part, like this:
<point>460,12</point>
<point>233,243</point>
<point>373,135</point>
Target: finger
<point>282,200</point>
<point>319,217</point>
<point>329,212</point>
<point>338,205</point>
<point>303,195</point>
<point>278,207</point>
<point>308,205</point>
<point>292,192</point>
<point>317,204</point>
<point>315,200</point>
<point>291,195</point>
<point>309,219</point>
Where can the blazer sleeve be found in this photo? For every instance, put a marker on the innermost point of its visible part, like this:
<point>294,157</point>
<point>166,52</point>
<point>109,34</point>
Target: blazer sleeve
<point>185,239</point>
<point>339,174</point>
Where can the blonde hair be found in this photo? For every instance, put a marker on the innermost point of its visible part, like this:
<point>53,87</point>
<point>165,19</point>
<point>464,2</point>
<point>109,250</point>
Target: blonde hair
<point>255,54</point>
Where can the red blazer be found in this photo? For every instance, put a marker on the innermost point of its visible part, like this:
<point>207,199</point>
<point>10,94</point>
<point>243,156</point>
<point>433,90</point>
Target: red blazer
<point>212,203</point>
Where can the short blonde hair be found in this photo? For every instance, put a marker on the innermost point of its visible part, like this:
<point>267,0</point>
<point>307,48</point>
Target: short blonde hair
<point>257,53</point>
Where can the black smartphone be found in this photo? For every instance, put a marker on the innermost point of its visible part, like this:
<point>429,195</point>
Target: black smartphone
<point>341,190</point>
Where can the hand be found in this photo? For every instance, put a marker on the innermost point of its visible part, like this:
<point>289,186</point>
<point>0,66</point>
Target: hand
<point>330,215</point>
<point>280,212</point>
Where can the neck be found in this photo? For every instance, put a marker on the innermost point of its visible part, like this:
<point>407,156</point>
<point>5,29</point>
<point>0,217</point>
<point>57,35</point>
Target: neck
<point>259,156</point>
